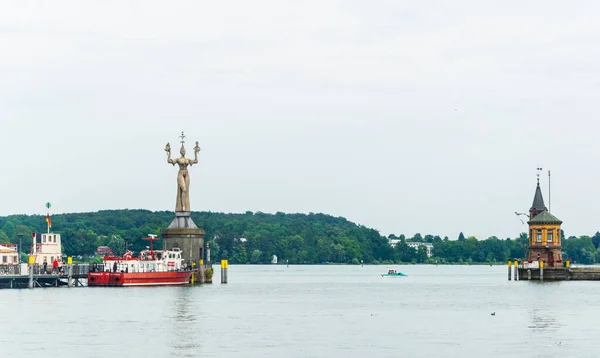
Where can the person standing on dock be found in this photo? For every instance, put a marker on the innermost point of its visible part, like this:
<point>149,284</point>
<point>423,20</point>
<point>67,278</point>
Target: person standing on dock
<point>55,266</point>
<point>45,266</point>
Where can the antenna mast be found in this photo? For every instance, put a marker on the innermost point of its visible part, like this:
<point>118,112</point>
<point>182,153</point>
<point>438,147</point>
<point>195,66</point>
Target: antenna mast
<point>549,199</point>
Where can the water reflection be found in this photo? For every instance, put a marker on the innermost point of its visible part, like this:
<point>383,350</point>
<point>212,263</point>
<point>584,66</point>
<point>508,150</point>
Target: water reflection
<point>186,339</point>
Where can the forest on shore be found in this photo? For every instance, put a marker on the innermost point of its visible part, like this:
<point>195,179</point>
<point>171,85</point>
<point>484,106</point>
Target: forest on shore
<point>295,238</point>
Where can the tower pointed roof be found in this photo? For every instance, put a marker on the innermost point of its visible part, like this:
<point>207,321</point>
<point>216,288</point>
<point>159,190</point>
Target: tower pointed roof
<point>538,200</point>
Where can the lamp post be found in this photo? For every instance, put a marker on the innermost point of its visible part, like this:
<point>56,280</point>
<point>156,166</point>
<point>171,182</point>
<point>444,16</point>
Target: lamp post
<point>20,243</point>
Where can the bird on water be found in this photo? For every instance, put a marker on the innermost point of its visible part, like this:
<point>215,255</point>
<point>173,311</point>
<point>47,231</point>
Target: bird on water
<point>493,313</point>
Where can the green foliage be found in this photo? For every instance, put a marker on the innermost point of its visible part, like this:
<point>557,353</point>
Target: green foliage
<point>579,249</point>
<point>117,245</point>
<point>208,273</point>
<point>294,238</point>
<point>4,238</point>
<point>95,260</point>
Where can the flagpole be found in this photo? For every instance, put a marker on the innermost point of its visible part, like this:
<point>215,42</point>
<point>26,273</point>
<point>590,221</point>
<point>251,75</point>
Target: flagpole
<point>48,205</point>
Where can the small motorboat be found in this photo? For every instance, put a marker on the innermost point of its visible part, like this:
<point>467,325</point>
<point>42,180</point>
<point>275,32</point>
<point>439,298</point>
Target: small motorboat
<point>392,273</point>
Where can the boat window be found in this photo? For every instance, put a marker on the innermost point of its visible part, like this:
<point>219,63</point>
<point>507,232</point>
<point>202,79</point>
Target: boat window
<point>3,259</point>
<point>43,238</point>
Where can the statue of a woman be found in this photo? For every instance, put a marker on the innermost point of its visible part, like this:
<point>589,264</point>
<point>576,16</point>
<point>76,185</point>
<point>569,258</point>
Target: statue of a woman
<point>183,177</point>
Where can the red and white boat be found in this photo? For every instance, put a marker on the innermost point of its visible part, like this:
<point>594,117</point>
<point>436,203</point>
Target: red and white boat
<point>151,268</point>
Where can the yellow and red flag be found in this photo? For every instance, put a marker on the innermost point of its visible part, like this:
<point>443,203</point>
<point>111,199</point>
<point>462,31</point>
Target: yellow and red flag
<point>48,220</point>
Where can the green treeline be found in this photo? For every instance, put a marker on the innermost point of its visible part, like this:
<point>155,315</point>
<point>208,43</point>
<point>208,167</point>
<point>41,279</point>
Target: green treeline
<point>297,238</point>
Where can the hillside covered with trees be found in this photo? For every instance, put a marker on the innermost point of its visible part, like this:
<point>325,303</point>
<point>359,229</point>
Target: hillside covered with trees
<point>256,237</point>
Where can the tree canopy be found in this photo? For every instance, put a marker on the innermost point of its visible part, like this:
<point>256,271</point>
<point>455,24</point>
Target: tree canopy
<point>294,238</point>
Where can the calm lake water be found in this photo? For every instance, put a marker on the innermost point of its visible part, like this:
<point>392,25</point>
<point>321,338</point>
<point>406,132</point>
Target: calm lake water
<point>310,311</point>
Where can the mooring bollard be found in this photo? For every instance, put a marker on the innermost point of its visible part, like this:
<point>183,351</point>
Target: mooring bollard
<point>201,272</point>
<point>193,274</point>
<point>529,274</point>
<point>70,271</point>
<point>509,270</point>
<point>516,272</point>
<point>31,262</point>
<point>224,266</point>
<point>541,270</point>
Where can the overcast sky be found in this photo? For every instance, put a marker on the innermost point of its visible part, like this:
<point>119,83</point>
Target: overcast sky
<point>403,116</point>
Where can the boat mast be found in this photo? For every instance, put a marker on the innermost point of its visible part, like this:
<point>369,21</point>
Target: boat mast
<point>151,238</point>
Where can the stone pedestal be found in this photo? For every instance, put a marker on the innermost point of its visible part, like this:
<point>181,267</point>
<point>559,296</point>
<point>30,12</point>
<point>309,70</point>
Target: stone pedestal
<point>185,235</point>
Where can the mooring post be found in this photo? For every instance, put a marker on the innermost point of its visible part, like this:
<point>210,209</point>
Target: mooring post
<point>529,274</point>
<point>31,262</point>
<point>70,271</point>
<point>516,272</point>
<point>542,270</point>
<point>509,268</point>
<point>201,271</point>
<point>224,265</point>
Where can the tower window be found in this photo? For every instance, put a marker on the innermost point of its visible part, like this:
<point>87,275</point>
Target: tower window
<point>550,235</point>
<point>539,236</point>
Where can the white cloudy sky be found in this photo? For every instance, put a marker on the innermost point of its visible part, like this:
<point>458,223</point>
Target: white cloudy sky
<point>404,116</point>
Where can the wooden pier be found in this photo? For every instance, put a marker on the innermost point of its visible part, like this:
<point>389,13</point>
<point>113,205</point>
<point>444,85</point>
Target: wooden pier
<point>11,276</point>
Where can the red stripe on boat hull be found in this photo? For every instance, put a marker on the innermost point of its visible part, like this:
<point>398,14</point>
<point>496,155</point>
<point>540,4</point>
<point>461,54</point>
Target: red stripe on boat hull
<point>139,278</point>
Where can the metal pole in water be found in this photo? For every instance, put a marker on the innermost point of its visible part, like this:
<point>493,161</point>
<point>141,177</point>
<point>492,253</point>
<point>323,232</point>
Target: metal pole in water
<point>516,272</point>
<point>542,270</point>
<point>509,269</point>
<point>31,262</point>
<point>70,271</point>
<point>224,265</point>
<point>193,274</point>
<point>201,272</point>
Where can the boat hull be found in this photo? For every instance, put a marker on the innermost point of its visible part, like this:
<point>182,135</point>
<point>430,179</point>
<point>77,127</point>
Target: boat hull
<point>393,275</point>
<point>117,279</point>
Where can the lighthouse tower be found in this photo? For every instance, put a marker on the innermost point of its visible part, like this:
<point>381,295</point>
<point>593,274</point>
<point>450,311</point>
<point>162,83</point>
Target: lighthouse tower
<point>544,232</point>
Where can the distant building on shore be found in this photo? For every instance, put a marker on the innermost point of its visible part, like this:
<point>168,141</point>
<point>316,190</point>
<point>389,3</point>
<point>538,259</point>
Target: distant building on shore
<point>9,254</point>
<point>415,245</point>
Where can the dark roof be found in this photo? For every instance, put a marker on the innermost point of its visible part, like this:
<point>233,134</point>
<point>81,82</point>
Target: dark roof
<point>538,200</point>
<point>545,218</point>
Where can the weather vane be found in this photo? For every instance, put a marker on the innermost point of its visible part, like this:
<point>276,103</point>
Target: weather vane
<point>538,174</point>
<point>182,136</point>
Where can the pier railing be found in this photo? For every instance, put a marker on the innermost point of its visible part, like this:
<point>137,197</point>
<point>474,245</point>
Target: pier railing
<point>79,270</point>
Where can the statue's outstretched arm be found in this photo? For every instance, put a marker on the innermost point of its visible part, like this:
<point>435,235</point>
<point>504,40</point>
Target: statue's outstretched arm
<point>168,150</point>
<point>196,150</point>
